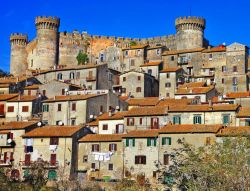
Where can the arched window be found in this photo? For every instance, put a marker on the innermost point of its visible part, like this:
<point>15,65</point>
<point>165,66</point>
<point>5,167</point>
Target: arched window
<point>138,89</point>
<point>59,76</point>
<point>71,75</point>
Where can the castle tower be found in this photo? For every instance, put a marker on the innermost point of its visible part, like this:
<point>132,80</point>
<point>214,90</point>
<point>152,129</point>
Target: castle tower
<point>190,32</point>
<point>18,57</point>
<point>47,42</point>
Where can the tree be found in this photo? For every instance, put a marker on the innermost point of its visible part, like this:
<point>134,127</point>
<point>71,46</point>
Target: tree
<point>82,58</point>
<point>132,43</point>
<point>221,166</point>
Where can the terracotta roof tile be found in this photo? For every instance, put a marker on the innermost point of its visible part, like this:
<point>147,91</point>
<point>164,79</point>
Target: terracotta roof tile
<point>194,90</point>
<point>234,131</point>
<point>4,85</point>
<point>136,47</point>
<point>101,138</point>
<point>147,101</point>
<point>174,52</point>
<point>147,111</point>
<point>4,132</point>
<point>220,48</point>
<point>173,102</point>
<point>116,115</point>
<point>93,123</point>
<point>244,112</point>
<point>10,80</point>
<point>142,133</point>
<point>71,97</point>
<point>53,131</point>
<point>170,70</point>
<point>23,98</point>
<point>193,85</point>
<point>204,107</point>
<point>5,97</point>
<point>155,63</point>
<point>190,128</point>
<point>237,95</point>
<point>15,125</point>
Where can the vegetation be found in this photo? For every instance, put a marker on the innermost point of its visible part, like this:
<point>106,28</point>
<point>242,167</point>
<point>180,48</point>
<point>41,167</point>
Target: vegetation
<point>221,166</point>
<point>82,58</point>
<point>132,43</point>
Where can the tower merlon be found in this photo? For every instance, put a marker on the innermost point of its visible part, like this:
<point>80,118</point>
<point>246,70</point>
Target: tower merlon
<point>193,21</point>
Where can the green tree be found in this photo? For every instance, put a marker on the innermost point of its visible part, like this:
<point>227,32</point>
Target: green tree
<point>132,43</point>
<point>82,58</point>
<point>221,166</point>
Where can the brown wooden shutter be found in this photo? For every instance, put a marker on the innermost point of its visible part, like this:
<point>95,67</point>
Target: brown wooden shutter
<point>25,108</point>
<point>5,157</point>
<point>73,106</point>
<point>133,121</point>
<point>152,124</point>
<point>98,148</point>
<point>93,148</point>
<point>2,109</point>
<point>136,160</point>
<point>115,147</point>
<point>144,160</point>
<point>11,156</point>
<point>166,159</point>
<point>140,121</point>
<point>127,121</point>
<point>110,147</point>
<point>11,109</point>
<point>27,160</point>
<point>53,159</point>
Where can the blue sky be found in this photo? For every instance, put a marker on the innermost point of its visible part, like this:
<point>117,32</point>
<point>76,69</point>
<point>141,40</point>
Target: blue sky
<point>227,20</point>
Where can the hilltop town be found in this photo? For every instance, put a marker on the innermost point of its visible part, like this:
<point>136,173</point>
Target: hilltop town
<point>105,108</point>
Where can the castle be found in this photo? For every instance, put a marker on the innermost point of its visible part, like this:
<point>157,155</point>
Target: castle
<point>51,48</point>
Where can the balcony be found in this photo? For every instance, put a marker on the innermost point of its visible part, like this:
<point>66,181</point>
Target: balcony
<point>182,60</point>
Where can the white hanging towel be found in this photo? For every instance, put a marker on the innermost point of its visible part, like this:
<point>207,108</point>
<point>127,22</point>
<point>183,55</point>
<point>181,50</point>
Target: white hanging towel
<point>97,157</point>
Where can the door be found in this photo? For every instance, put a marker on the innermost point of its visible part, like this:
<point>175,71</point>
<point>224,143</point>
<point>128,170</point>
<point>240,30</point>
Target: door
<point>27,160</point>
<point>53,159</point>
<point>154,123</point>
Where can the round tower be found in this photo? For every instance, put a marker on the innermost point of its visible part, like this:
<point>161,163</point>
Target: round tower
<point>18,57</point>
<point>190,32</point>
<point>47,42</point>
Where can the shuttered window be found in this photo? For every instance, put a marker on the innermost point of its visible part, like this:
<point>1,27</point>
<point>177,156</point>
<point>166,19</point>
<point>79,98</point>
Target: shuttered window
<point>177,119</point>
<point>95,148</point>
<point>59,107</point>
<point>73,108</point>
<point>27,160</point>
<point>25,108</point>
<point>166,141</point>
<point>130,142</point>
<point>52,175</point>
<point>197,119</point>
<point>112,147</point>
<point>140,159</point>
<point>10,109</point>
<point>53,159</point>
<point>166,159</point>
<point>45,108</point>
<point>130,121</point>
<point>54,141</point>
<point>151,141</point>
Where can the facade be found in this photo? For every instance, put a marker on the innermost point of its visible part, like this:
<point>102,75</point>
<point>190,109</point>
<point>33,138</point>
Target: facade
<point>55,144</point>
<point>3,100</point>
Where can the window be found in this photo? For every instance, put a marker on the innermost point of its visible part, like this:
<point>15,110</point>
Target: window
<point>168,85</point>
<point>27,160</point>
<point>208,141</point>
<point>158,51</point>
<point>93,165</point>
<point>167,94</point>
<point>44,92</point>
<point>101,108</point>
<point>172,58</point>
<point>234,81</point>
<point>101,57</point>
<point>130,121</point>
<point>130,142</point>
<point>59,76</point>
<point>166,159</point>
<point>138,78</point>
<point>52,175</point>
<point>123,90</point>
<point>223,68</point>
<point>54,140</point>
<point>59,107</point>
<point>105,127</point>
<point>132,62</point>
<point>140,159</point>
<point>225,119</point>
<point>138,52</point>
<point>151,141</point>
<point>45,108</point>
<point>222,80</point>
<point>73,108</point>
<point>140,121</point>
<point>235,88</point>
<point>197,119</point>
<point>124,79</point>
<point>29,92</point>
<point>71,75</point>
<point>126,53</point>
<point>53,159</point>
<point>138,89</point>
<point>95,148</point>
<point>109,77</point>
<point>85,158</point>
<point>235,69</point>
<point>25,108</point>
<point>210,56</point>
<point>73,121</point>
<point>167,75</point>
<point>112,147</point>
<point>166,141</point>
<point>177,119</point>
<point>110,166</point>
<point>10,109</point>
<point>63,91</point>
<point>78,75</point>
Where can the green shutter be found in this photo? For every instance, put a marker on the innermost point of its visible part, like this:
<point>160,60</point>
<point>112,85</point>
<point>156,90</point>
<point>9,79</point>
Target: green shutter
<point>194,120</point>
<point>127,142</point>
<point>174,120</point>
<point>179,120</point>
<point>52,175</point>
<point>155,139</point>
<point>163,141</point>
<point>199,117</point>
<point>169,140</point>
<point>148,142</point>
<point>133,142</point>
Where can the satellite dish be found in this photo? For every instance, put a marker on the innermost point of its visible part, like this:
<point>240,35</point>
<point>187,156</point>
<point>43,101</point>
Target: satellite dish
<point>60,123</point>
<point>39,124</point>
<point>9,141</point>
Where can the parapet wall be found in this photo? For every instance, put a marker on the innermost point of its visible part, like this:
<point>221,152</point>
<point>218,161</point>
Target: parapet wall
<point>18,38</point>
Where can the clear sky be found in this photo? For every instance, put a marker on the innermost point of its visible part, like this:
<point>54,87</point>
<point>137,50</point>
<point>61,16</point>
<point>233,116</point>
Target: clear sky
<point>227,20</point>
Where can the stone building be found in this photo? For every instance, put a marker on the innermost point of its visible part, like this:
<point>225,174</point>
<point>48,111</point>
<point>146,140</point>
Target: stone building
<point>152,68</point>
<point>56,145</point>
<point>73,109</point>
<point>100,157</point>
<point>137,84</point>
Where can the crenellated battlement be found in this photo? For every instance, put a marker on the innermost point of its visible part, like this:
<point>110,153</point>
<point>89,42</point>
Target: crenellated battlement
<point>18,39</point>
<point>195,23</point>
<point>43,22</point>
